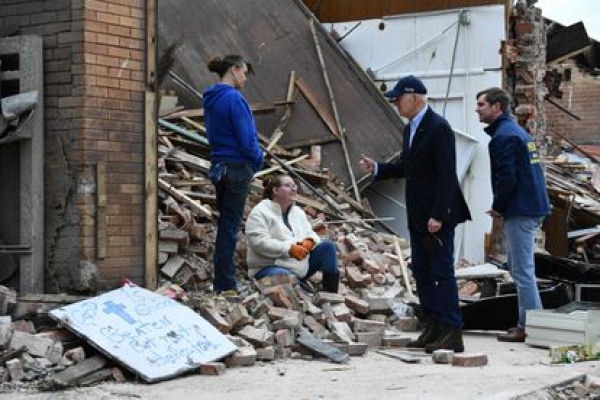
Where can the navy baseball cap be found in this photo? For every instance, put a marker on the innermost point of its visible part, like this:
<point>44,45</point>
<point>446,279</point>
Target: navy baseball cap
<point>408,84</point>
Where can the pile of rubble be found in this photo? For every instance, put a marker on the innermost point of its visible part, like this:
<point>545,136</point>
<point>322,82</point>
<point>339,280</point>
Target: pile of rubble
<point>275,319</point>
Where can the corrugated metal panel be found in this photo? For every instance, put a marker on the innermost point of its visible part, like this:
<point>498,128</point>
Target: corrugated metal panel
<point>345,10</point>
<point>275,36</point>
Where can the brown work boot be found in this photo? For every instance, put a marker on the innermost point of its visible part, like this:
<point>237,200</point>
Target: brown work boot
<point>516,335</point>
<point>429,335</point>
<point>449,339</point>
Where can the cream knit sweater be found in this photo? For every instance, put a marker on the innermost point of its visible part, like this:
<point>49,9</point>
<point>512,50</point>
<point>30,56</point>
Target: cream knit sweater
<point>269,239</point>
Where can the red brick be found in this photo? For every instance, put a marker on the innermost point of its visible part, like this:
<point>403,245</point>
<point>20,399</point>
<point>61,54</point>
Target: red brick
<point>470,360</point>
<point>212,368</point>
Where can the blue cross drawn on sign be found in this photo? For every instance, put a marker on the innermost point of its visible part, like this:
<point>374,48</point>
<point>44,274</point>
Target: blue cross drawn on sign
<point>119,309</point>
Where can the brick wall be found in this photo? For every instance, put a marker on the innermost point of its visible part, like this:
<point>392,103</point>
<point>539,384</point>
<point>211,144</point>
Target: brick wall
<point>581,97</point>
<point>94,72</point>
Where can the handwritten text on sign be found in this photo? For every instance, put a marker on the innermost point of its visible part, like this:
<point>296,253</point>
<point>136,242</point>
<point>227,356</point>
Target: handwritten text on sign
<point>150,334</point>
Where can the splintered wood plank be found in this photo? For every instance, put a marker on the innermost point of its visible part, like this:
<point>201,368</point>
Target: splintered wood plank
<point>403,266</point>
<point>277,134</point>
<point>189,159</point>
<point>342,195</point>
<point>278,167</point>
<point>307,201</point>
<point>101,239</point>
<point>256,108</point>
<point>194,205</point>
<point>314,178</point>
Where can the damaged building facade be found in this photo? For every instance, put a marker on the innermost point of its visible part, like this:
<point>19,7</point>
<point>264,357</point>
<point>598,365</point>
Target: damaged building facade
<point>89,196</point>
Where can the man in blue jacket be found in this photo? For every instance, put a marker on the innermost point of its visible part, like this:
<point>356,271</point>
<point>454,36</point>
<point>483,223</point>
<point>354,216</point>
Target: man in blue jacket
<point>434,205</point>
<point>520,197</point>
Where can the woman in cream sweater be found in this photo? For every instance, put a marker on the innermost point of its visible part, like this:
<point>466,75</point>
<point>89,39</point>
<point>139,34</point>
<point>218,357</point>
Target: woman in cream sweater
<point>281,240</point>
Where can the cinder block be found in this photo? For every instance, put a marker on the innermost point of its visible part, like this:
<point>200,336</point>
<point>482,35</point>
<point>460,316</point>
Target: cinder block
<point>442,356</point>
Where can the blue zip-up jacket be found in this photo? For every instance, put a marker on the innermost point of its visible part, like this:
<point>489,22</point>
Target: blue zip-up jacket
<point>518,182</point>
<point>230,127</point>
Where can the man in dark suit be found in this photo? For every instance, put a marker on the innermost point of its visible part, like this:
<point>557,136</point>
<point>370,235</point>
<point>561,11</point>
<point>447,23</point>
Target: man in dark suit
<point>435,205</point>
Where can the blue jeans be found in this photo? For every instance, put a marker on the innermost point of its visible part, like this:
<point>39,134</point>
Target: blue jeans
<point>434,275</point>
<point>232,192</point>
<point>322,258</point>
<point>520,236</point>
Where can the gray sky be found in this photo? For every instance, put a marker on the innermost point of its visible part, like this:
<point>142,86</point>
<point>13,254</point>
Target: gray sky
<point>568,12</point>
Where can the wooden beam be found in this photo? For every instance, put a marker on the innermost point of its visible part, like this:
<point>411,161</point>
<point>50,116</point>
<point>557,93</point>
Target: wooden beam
<point>278,167</point>
<point>307,201</point>
<point>277,134</point>
<point>308,142</point>
<point>575,146</point>
<point>101,210</point>
<point>150,151</point>
<point>336,115</point>
<point>403,266</point>
<point>318,107</point>
<point>256,108</point>
<point>194,124</point>
<point>194,205</point>
<point>312,177</point>
<point>290,95</point>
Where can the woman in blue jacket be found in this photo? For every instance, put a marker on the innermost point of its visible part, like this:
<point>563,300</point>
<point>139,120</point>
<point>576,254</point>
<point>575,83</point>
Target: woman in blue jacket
<point>235,156</point>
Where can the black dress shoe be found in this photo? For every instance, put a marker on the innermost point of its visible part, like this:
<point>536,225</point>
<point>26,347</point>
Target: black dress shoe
<point>429,335</point>
<point>515,335</point>
<point>449,339</point>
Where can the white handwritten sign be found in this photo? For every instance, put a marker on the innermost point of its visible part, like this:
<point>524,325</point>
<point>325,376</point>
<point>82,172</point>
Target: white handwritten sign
<point>148,333</point>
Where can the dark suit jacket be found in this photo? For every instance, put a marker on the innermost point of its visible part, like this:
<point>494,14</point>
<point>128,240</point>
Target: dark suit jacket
<point>429,166</point>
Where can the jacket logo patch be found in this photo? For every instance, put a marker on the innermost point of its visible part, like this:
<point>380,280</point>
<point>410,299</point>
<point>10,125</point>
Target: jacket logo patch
<point>534,155</point>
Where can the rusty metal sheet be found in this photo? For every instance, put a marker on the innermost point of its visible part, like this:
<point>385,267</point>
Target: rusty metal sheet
<point>275,36</point>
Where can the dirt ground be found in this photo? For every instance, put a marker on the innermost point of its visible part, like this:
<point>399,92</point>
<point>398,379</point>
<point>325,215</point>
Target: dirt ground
<point>513,369</point>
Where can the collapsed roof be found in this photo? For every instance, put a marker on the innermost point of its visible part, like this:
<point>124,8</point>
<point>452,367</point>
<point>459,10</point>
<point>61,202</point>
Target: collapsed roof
<point>276,37</point>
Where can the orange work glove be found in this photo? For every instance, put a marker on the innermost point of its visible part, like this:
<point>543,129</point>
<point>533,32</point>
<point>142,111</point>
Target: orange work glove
<point>298,252</point>
<point>308,243</point>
